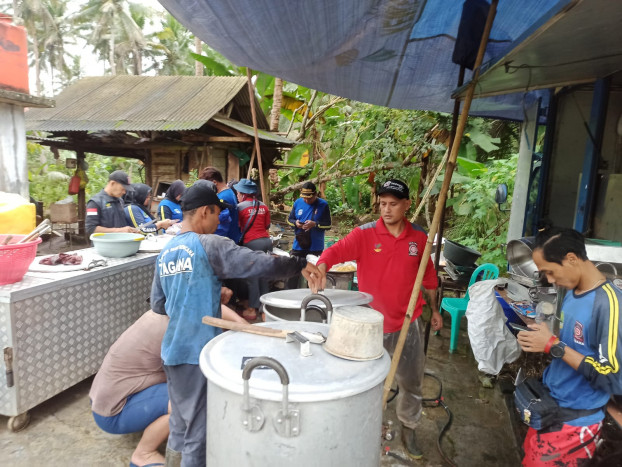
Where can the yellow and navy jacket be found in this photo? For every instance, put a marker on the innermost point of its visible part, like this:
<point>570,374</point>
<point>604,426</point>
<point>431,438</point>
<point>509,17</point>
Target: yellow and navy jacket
<point>168,209</point>
<point>319,212</point>
<point>591,325</point>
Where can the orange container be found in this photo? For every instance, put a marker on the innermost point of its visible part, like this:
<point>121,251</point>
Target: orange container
<point>13,56</point>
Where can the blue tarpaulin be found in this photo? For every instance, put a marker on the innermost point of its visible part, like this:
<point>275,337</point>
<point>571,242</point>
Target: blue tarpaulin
<point>394,53</point>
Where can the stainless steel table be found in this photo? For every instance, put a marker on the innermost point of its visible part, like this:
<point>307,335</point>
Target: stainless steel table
<point>55,328</point>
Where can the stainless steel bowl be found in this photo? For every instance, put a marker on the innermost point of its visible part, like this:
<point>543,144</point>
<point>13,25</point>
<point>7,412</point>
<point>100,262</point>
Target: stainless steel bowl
<point>519,257</point>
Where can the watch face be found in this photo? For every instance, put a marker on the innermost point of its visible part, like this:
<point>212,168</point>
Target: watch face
<point>558,350</point>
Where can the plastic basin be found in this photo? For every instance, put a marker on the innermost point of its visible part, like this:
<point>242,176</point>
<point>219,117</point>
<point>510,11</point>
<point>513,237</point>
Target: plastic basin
<point>116,245</point>
<point>15,258</point>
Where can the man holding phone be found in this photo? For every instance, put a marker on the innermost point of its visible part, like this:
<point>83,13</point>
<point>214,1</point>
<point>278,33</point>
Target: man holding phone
<point>585,370</point>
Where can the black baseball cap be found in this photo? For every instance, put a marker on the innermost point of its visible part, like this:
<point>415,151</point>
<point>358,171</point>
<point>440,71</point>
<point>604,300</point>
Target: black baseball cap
<point>201,194</point>
<point>394,187</point>
<point>121,177</point>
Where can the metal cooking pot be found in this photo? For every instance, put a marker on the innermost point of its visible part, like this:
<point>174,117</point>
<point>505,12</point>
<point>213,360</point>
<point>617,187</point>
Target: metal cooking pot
<point>356,334</point>
<point>286,304</point>
<point>287,409</point>
<point>519,253</point>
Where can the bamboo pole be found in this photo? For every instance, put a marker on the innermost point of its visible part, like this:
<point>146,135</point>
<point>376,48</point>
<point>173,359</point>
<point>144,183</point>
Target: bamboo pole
<point>250,164</point>
<point>251,95</point>
<point>451,163</point>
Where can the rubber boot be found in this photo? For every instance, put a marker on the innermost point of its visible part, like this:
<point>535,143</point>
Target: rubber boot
<point>172,458</point>
<point>410,443</point>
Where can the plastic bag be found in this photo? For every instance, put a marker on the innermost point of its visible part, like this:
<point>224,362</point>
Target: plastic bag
<point>74,185</point>
<point>492,342</point>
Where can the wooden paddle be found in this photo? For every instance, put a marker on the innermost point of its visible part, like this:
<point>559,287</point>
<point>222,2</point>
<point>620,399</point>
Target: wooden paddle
<point>314,337</point>
<point>243,327</point>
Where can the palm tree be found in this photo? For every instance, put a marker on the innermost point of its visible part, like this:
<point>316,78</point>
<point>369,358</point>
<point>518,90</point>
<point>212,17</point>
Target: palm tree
<point>173,46</point>
<point>37,19</point>
<point>277,101</point>
<point>107,21</point>
<point>53,40</point>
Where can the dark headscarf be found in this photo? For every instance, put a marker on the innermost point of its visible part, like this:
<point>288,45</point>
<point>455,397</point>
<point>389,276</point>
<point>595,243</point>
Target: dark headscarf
<point>138,197</point>
<point>177,188</point>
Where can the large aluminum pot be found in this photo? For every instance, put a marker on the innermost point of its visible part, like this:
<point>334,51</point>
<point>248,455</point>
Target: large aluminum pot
<point>285,409</point>
<point>286,304</point>
<point>519,257</point>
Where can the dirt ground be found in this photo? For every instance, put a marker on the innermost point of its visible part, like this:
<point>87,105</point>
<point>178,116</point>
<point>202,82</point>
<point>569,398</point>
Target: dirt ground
<point>62,431</point>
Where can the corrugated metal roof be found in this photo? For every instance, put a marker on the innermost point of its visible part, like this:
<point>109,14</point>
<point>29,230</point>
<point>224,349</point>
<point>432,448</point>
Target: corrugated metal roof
<point>135,103</point>
<point>248,130</point>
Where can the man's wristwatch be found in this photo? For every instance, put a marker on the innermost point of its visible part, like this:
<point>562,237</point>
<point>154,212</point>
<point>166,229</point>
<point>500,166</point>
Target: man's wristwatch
<point>558,350</point>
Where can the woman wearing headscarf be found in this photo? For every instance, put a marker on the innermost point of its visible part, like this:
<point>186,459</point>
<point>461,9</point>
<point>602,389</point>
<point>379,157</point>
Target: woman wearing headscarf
<point>169,207</point>
<point>137,212</point>
<point>254,219</point>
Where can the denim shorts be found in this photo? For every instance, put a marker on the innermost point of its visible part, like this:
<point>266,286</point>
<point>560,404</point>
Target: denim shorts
<point>140,410</point>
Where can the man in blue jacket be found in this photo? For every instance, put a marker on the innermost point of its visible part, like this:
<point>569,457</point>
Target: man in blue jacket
<point>310,218</point>
<point>186,287</point>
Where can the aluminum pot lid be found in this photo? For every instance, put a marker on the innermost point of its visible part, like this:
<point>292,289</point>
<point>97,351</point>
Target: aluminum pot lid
<point>319,377</point>
<point>293,298</point>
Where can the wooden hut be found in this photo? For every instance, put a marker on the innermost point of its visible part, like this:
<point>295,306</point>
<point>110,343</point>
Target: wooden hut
<point>173,124</point>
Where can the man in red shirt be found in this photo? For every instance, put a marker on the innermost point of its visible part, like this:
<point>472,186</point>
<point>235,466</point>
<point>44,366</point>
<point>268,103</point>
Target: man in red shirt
<point>388,253</point>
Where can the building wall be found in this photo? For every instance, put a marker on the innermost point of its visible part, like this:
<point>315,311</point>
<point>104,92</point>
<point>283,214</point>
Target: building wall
<point>13,164</point>
<point>569,147</point>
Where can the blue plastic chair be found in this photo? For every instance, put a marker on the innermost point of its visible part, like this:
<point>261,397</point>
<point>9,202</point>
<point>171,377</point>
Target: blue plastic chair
<point>456,307</point>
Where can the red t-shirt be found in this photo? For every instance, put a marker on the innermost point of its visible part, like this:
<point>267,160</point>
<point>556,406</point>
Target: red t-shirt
<point>261,224</point>
<point>386,267</point>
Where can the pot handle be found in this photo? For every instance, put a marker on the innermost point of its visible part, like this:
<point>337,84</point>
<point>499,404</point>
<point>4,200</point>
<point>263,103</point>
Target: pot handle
<point>287,422</point>
<point>322,298</point>
<point>265,361</point>
<point>320,311</point>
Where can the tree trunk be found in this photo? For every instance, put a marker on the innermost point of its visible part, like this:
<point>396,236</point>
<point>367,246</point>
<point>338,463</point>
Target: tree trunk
<point>198,49</point>
<point>17,13</point>
<point>138,62</point>
<point>303,125</point>
<point>35,53</point>
<point>111,59</point>
<point>277,100</point>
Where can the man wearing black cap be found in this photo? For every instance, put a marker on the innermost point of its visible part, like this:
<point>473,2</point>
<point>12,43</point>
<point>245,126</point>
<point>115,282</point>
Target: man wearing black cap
<point>387,254</point>
<point>104,211</point>
<point>186,287</point>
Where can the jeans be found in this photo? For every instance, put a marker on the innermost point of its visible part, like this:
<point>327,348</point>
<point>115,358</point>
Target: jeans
<point>140,410</point>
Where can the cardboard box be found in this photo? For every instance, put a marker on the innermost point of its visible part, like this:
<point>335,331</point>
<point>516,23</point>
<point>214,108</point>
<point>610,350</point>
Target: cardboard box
<point>64,213</point>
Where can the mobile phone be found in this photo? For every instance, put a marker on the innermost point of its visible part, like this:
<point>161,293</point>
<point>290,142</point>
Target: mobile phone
<point>518,327</point>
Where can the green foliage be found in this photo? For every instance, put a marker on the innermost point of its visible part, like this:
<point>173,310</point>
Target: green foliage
<point>49,178</point>
<point>476,220</point>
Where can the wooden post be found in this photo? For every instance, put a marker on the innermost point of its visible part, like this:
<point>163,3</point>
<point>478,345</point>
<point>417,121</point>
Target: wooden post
<point>251,95</point>
<point>451,163</point>
<point>250,164</point>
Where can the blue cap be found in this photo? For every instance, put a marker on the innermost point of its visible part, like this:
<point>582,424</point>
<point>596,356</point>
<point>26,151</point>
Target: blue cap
<point>246,186</point>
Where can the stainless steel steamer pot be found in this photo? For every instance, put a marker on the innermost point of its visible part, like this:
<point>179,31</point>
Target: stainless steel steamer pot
<point>286,304</point>
<point>289,409</point>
